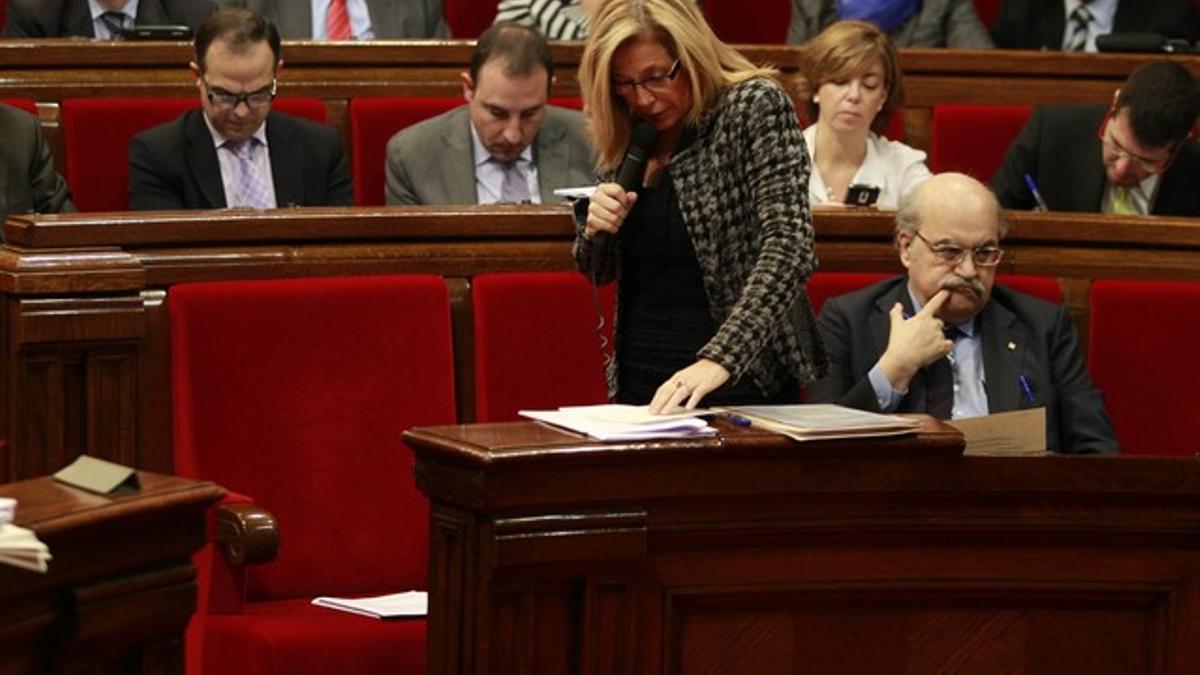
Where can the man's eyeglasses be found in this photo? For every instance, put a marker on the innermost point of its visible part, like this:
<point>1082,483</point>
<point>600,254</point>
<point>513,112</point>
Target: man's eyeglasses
<point>655,84</point>
<point>1148,166</point>
<point>253,99</point>
<point>982,256</point>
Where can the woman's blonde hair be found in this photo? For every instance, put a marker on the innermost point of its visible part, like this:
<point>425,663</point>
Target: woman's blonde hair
<point>679,27</point>
<point>845,50</point>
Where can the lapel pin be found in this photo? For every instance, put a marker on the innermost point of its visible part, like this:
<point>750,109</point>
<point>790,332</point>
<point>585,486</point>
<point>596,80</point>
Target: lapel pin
<point>1012,346</point>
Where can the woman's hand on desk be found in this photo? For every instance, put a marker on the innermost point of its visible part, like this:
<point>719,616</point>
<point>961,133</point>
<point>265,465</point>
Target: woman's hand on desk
<point>686,387</point>
<point>607,209</point>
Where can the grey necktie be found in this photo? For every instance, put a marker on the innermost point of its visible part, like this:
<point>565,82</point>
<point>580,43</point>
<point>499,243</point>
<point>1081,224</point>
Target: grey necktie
<point>114,22</point>
<point>1078,22</point>
<point>515,188</point>
<point>251,186</point>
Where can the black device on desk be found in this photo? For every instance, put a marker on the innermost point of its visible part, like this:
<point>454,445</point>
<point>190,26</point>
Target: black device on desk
<point>156,33</point>
<point>861,195</point>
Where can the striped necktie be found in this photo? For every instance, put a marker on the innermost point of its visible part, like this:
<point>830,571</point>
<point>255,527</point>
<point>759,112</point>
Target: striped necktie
<point>114,22</point>
<point>337,21</point>
<point>1078,22</point>
<point>251,185</point>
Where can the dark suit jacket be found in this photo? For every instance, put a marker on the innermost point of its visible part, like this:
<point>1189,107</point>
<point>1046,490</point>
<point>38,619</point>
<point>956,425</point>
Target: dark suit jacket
<point>28,181</point>
<point>1060,148</point>
<point>1021,335</point>
<point>390,19</point>
<point>66,18</point>
<point>174,165</point>
<point>1039,24</point>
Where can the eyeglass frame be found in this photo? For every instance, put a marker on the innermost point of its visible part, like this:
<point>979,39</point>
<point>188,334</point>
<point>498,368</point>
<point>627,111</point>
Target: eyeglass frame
<point>941,251</point>
<point>1142,163</point>
<point>238,99</point>
<point>653,85</point>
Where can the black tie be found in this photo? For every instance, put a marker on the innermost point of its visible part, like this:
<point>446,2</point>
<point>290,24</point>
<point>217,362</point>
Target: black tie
<point>939,382</point>
<point>114,22</point>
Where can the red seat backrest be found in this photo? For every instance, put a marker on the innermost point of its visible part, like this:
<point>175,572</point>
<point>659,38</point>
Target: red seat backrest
<point>295,392</point>
<point>28,105</point>
<point>1046,288</point>
<point>758,22</point>
<point>374,120</point>
<point>1142,337</point>
<point>972,139</point>
<point>825,285</point>
<point>97,131</point>
<point>535,342</point>
<point>988,10</point>
<point>468,19</point>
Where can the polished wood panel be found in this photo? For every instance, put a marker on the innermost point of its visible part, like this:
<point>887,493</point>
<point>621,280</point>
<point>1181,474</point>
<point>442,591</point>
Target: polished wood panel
<point>87,361</point>
<point>121,586</point>
<point>751,553</point>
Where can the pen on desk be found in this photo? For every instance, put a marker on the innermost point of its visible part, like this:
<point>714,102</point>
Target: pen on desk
<point>737,420</point>
<point>1037,196</point>
<point>1026,389</point>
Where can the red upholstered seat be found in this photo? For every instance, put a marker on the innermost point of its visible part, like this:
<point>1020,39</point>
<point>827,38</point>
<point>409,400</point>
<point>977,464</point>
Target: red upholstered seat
<point>374,120</point>
<point>1046,288</point>
<point>973,138</point>
<point>25,104</point>
<point>295,393</point>
<point>535,342</point>
<point>97,131</point>
<point>1142,356</point>
<point>758,22</point>
<point>987,10</point>
<point>468,19</point>
<point>825,285</point>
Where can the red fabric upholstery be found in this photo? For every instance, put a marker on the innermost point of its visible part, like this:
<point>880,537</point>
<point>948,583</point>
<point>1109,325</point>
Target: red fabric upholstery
<point>295,392</point>
<point>96,133</point>
<point>1046,288</point>
<point>468,19</point>
<point>28,105</point>
<point>973,138</point>
<point>825,285</point>
<point>535,342</point>
<point>988,10</point>
<point>375,120</point>
<point>1142,357</point>
<point>758,22</point>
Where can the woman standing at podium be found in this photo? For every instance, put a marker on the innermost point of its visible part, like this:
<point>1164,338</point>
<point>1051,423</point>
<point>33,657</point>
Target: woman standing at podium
<point>710,243</point>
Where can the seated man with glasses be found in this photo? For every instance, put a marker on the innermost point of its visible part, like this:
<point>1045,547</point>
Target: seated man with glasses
<point>1133,157</point>
<point>945,340</point>
<point>505,144</point>
<point>235,151</point>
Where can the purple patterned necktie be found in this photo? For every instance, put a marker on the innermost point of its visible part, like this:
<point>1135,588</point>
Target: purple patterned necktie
<point>515,188</point>
<point>250,188</point>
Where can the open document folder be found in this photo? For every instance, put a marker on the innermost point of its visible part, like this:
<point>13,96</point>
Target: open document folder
<point>815,421</point>
<point>618,422</point>
<point>409,603</point>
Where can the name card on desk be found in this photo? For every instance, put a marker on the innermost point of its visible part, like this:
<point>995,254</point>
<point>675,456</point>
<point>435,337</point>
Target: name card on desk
<point>1019,432</point>
<point>98,475</point>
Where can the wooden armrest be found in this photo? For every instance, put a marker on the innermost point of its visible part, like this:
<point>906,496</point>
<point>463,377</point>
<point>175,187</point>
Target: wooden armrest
<point>247,534</point>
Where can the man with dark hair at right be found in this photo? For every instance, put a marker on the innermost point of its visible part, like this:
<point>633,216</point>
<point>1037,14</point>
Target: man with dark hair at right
<point>506,144</point>
<point>1134,157</point>
<point>944,339</point>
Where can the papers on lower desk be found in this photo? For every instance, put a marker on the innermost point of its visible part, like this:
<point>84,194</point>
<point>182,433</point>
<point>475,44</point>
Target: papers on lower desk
<point>806,422</point>
<point>410,603</point>
<point>19,546</point>
<point>618,422</point>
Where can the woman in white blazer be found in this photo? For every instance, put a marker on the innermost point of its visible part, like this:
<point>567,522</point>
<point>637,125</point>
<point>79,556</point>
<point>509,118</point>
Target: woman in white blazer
<point>852,83</point>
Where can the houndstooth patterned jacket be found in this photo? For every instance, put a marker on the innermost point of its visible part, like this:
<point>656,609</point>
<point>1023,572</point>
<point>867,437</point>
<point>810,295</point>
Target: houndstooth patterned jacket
<point>743,192</point>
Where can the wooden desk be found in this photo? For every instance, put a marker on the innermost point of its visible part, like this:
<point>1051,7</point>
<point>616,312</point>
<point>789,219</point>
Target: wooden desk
<point>753,554</point>
<point>86,360</point>
<point>121,586</point>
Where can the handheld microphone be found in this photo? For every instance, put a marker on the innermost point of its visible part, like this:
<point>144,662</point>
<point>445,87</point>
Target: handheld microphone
<point>633,166</point>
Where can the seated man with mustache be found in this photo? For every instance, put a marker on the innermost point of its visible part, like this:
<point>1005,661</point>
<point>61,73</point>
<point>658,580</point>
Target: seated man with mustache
<point>944,341</point>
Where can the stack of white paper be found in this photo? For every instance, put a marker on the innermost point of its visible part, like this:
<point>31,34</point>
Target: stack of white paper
<point>18,546</point>
<point>411,603</point>
<point>822,421</point>
<point>618,422</point>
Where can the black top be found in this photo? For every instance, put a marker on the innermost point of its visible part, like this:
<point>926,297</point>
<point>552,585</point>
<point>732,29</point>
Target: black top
<point>665,317</point>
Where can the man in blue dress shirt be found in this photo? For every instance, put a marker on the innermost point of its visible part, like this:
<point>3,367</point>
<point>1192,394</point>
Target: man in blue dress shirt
<point>945,340</point>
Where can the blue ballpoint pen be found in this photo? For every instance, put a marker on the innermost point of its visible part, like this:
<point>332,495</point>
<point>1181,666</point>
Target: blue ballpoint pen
<point>1026,389</point>
<point>1037,196</point>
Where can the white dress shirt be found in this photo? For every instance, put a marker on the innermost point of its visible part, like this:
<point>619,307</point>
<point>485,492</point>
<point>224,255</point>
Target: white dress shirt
<point>892,166</point>
<point>1103,13</point>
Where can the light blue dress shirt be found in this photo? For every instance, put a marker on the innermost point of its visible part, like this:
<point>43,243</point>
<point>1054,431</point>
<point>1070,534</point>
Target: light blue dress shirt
<point>100,28</point>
